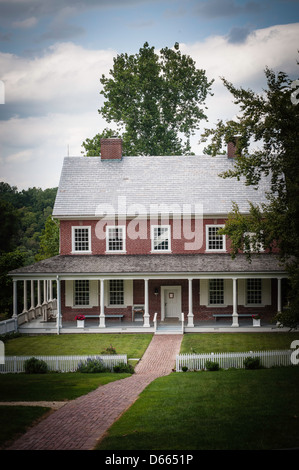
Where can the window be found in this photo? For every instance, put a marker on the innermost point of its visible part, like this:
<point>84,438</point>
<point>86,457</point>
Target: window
<point>216,292</point>
<point>81,293</point>
<point>115,238</point>
<point>161,238</point>
<point>254,291</point>
<point>215,242</point>
<point>81,239</point>
<point>116,292</point>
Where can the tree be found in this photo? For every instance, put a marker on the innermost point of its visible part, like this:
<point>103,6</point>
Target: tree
<point>49,240</point>
<point>269,122</point>
<point>156,101</point>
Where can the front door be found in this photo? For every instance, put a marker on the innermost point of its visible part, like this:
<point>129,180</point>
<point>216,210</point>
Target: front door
<point>172,302</point>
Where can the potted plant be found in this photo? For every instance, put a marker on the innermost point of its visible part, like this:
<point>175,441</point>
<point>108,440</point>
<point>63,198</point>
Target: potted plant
<point>80,321</point>
<point>256,320</point>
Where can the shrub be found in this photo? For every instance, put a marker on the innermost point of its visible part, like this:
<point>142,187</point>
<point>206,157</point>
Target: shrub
<point>92,366</point>
<point>252,363</point>
<point>35,366</point>
<point>128,368</point>
<point>109,350</point>
<point>211,365</point>
<point>184,368</point>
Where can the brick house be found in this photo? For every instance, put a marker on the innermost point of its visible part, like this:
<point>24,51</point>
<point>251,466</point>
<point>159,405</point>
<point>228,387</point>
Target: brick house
<point>139,245</point>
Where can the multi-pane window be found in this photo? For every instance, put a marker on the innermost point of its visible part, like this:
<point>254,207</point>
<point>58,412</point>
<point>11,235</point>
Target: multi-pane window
<point>161,238</point>
<point>115,238</point>
<point>215,242</point>
<point>116,292</point>
<point>81,292</point>
<point>81,239</point>
<point>216,292</point>
<point>254,291</point>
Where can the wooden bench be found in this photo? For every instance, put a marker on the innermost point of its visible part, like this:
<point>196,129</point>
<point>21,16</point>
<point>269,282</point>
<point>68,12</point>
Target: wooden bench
<point>106,316</point>
<point>218,315</point>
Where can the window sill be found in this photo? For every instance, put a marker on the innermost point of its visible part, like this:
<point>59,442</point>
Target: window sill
<point>161,251</point>
<point>81,252</point>
<point>115,252</point>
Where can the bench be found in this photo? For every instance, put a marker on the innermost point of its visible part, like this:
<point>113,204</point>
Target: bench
<point>230,315</point>
<point>106,316</point>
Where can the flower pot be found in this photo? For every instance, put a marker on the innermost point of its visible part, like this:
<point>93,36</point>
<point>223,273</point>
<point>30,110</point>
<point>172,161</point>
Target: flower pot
<point>256,322</point>
<point>80,323</point>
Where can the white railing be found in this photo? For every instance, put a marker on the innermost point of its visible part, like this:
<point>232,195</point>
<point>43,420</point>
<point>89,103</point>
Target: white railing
<point>230,359</point>
<point>8,326</point>
<point>15,364</point>
<point>183,322</point>
<point>155,322</point>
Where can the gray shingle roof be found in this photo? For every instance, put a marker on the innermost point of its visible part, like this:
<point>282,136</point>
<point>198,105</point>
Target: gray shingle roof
<point>146,264</point>
<point>87,182</point>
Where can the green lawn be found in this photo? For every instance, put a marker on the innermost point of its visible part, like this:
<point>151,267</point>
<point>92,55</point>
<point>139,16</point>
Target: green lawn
<point>133,345</point>
<point>223,410</point>
<point>236,342</point>
<point>226,409</point>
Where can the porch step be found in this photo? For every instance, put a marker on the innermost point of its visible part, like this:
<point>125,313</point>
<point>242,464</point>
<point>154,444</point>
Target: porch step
<point>168,329</point>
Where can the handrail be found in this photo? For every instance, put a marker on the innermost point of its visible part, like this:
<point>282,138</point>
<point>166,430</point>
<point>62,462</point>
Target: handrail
<point>155,321</point>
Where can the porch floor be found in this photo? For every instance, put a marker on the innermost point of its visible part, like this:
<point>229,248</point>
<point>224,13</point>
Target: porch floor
<point>37,326</point>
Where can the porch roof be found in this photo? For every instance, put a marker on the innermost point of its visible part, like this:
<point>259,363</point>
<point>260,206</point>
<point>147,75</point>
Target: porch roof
<point>172,264</point>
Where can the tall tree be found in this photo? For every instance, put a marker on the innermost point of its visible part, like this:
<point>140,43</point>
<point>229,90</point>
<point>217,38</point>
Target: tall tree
<point>156,101</point>
<point>269,122</point>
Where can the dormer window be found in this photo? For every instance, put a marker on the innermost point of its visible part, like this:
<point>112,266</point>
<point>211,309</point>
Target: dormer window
<point>214,241</point>
<point>160,236</point>
<point>116,239</point>
<point>81,240</point>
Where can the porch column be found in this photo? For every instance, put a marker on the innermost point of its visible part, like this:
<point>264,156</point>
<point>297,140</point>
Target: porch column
<point>58,318</point>
<point>15,299</point>
<point>235,303</point>
<point>44,306</point>
<point>190,312</point>
<point>50,290</point>
<point>278,294</point>
<point>32,296</point>
<point>146,312</point>
<point>25,297</point>
<point>38,294</point>
<point>102,305</point>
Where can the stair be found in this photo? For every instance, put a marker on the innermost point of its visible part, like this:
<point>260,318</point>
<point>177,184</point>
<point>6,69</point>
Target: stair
<point>168,328</point>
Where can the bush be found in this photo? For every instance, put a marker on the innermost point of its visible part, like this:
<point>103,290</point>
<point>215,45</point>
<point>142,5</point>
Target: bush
<point>109,350</point>
<point>252,363</point>
<point>184,368</point>
<point>92,366</point>
<point>128,368</point>
<point>35,366</point>
<point>211,365</point>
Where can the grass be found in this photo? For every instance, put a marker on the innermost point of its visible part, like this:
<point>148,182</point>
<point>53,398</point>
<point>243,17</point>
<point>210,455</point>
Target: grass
<point>224,410</point>
<point>15,420</point>
<point>206,410</point>
<point>133,345</point>
<point>236,342</point>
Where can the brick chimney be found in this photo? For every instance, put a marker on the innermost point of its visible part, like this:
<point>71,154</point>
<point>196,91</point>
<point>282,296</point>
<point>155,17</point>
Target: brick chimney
<point>231,147</point>
<point>111,148</point>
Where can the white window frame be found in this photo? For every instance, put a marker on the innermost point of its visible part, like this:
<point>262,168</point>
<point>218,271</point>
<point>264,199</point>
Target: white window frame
<point>222,304</point>
<point>222,236</point>
<point>122,293</point>
<point>256,304</point>
<point>166,250</point>
<point>76,294</point>
<point>113,227</point>
<point>81,227</point>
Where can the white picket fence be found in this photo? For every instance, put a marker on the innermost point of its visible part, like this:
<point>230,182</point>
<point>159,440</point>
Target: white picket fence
<point>233,359</point>
<point>15,364</point>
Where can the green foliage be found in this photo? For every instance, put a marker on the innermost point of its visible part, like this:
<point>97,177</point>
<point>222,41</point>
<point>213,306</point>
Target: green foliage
<point>266,136</point>
<point>123,368</point>
<point>8,262</point>
<point>211,365</point>
<point>49,240</point>
<point>252,363</point>
<point>153,99</point>
<point>109,350</point>
<point>92,366</point>
<point>35,366</point>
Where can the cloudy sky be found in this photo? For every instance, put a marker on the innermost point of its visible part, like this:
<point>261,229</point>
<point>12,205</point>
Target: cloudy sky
<point>52,54</point>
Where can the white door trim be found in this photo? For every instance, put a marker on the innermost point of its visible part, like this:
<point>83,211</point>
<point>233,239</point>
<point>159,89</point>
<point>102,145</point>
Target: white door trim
<point>178,289</point>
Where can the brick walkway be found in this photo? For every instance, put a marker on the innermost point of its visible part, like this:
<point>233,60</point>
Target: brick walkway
<point>82,422</point>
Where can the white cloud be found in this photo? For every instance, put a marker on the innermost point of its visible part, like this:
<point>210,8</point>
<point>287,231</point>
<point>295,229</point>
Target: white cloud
<point>26,23</point>
<point>60,92</point>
